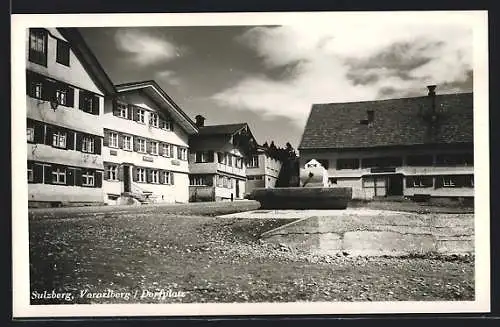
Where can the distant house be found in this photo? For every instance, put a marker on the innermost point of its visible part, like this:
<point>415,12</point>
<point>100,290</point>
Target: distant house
<point>217,161</point>
<point>262,170</point>
<point>65,90</point>
<point>421,146</point>
<point>146,140</point>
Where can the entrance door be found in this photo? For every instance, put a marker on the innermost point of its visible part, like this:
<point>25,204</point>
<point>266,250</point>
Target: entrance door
<point>395,186</point>
<point>237,188</point>
<point>126,178</point>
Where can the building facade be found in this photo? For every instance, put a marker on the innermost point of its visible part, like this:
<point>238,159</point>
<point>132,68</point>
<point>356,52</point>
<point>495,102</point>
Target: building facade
<point>262,170</point>
<point>413,147</point>
<point>217,161</point>
<point>65,90</point>
<point>146,141</point>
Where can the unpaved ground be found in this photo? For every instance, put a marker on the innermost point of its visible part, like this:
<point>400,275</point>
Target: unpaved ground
<point>219,260</point>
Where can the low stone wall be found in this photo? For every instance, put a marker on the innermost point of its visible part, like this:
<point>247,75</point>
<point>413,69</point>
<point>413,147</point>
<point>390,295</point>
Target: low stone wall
<point>388,233</point>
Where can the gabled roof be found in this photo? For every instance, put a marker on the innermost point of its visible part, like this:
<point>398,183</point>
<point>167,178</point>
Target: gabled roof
<point>87,58</point>
<point>228,129</point>
<point>396,122</point>
<point>152,89</point>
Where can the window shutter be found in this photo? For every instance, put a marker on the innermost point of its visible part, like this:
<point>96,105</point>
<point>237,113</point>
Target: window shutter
<point>115,107</point>
<point>39,129</point>
<point>106,138</point>
<point>409,181</point>
<point>120,141</point>
<point>106,171</point>
<point>160,149</point>
<point>438,182</point>
<point>98,179</point>
<point>210,156</point>
<point>97,145</point>
<point>149,146</point>
<point>47,171</point>
<point>29,84</point>
<point>148,175</point>
<point>171,178</point>
<point>71,97</point>
<point>120,172</point>
<point>49,90</point>
<point>136,114</point>
<point>161,175</point>
<point>172,125</point>
<point>37,173</point>
<point>70,140</point>
<point>79,141</point>
<point>130,112</point>
<point>134,174</point>
<point>136,144</point>
<point>78,177</point>
<point>48,135</point>
<point>81,96</point>
<point>95,105</point>
<point>70,176</point>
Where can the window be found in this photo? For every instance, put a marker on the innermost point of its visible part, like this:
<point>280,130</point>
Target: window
<point>455,181</point>
<point>38,46</point>
<point>220,157</point>
<point>347,164</point>
<point>154,148</point>
<point>113,140</point>
<point>201,180</point>
<point>62,55</point>
<point>58,175</point>
<point>59,139</point>
<point>153,121</point>
<point>36,90</point>
<point>127,142</point>
<point>459,159</point>
<point>167,178</point>
<point>419,181</point>
<point>203,156</point>
<point>155,176</point>
<point>122,110</point>
<point>88,178</point>
<point>89,102</point>
<point>253,162</point>
<point>112,172</point>
<point>30,172</point>
<point>165,124</point>
<point>62,97</point>
<point>30,134</point>
<point>141,175</point>
<point>448,181</point>
<point>140,115</point>
<point>165,150</point>
<point>229,159</point>
<point>88,144</point>
<point>182,153</point>
<point>141,145</point>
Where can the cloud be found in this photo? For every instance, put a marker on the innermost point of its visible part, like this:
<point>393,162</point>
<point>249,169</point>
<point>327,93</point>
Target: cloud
<point>145,47</point>
<point>349,63</point>
<point>168,76</point>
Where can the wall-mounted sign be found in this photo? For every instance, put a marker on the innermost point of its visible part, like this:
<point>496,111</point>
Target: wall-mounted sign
<point>175,162</point>
<point>113,152</point>
<point>145,158</point>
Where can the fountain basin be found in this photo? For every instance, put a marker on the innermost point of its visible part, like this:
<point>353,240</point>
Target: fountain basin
<point>302,197</point>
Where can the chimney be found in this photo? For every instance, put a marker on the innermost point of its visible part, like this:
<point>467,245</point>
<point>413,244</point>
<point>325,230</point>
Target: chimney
<point>432,94</point>
<point>200,120</point>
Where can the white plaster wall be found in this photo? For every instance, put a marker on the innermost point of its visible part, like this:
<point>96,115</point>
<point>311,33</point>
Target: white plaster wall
<point>136,158</point>
<point>46,153</point>
<point>59,193</point>
<point>75,74</point>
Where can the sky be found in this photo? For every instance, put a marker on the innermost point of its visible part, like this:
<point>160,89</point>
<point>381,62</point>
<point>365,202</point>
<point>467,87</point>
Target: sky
<point>269,76</point>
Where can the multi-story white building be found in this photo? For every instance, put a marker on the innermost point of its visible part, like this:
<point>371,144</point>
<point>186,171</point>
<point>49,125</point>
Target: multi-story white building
<point>65,89</point>
<point>421,146</point>
<point>262,170</point>
<point>217,161</point>
<point>146,141</point>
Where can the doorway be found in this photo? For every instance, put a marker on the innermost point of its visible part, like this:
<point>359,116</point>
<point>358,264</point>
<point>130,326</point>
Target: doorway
<point>395,185</point>
<point>126,178</point>
<point>237,188</point>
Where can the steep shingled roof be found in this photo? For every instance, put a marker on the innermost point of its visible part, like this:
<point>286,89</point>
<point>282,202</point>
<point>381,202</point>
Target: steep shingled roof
<point>396,122</point>
<point>221,129</point>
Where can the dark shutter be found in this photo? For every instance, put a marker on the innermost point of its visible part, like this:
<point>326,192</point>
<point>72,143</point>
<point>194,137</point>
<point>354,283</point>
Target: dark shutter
<point>81,98</point>
<point>120,140</point>
<point>136,144</point>
<point>106,171</point>
<point>47,171</point>
<point>171,151</point>
<point>97,144</point>
<point>70,176</point>
<point>148,175</point>
<point>98,179</point>
<point>171,178</point>
<point>48,90</point>
<point>130,112</point>
<point>438,182</point>
<point>106,138</point>
<point>78,177</point>
<point>149,147</point>
<point>37,173</point>
<point>71,97</point>
<point>39,129</point>
<point>95,105</point>
<point>135,114</point>
<point>161,176</point>
<point>70,140</point>
<point>172,125</point>
<point>116,112</point>
<point>160,149</point>
<point>134,174</point>
<point>120,172</point>
<point>79,141</point>
<point>210,156</point>
<point>48,135</point>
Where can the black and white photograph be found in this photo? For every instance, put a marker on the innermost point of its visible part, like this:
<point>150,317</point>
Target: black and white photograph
<point>233,163</point>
